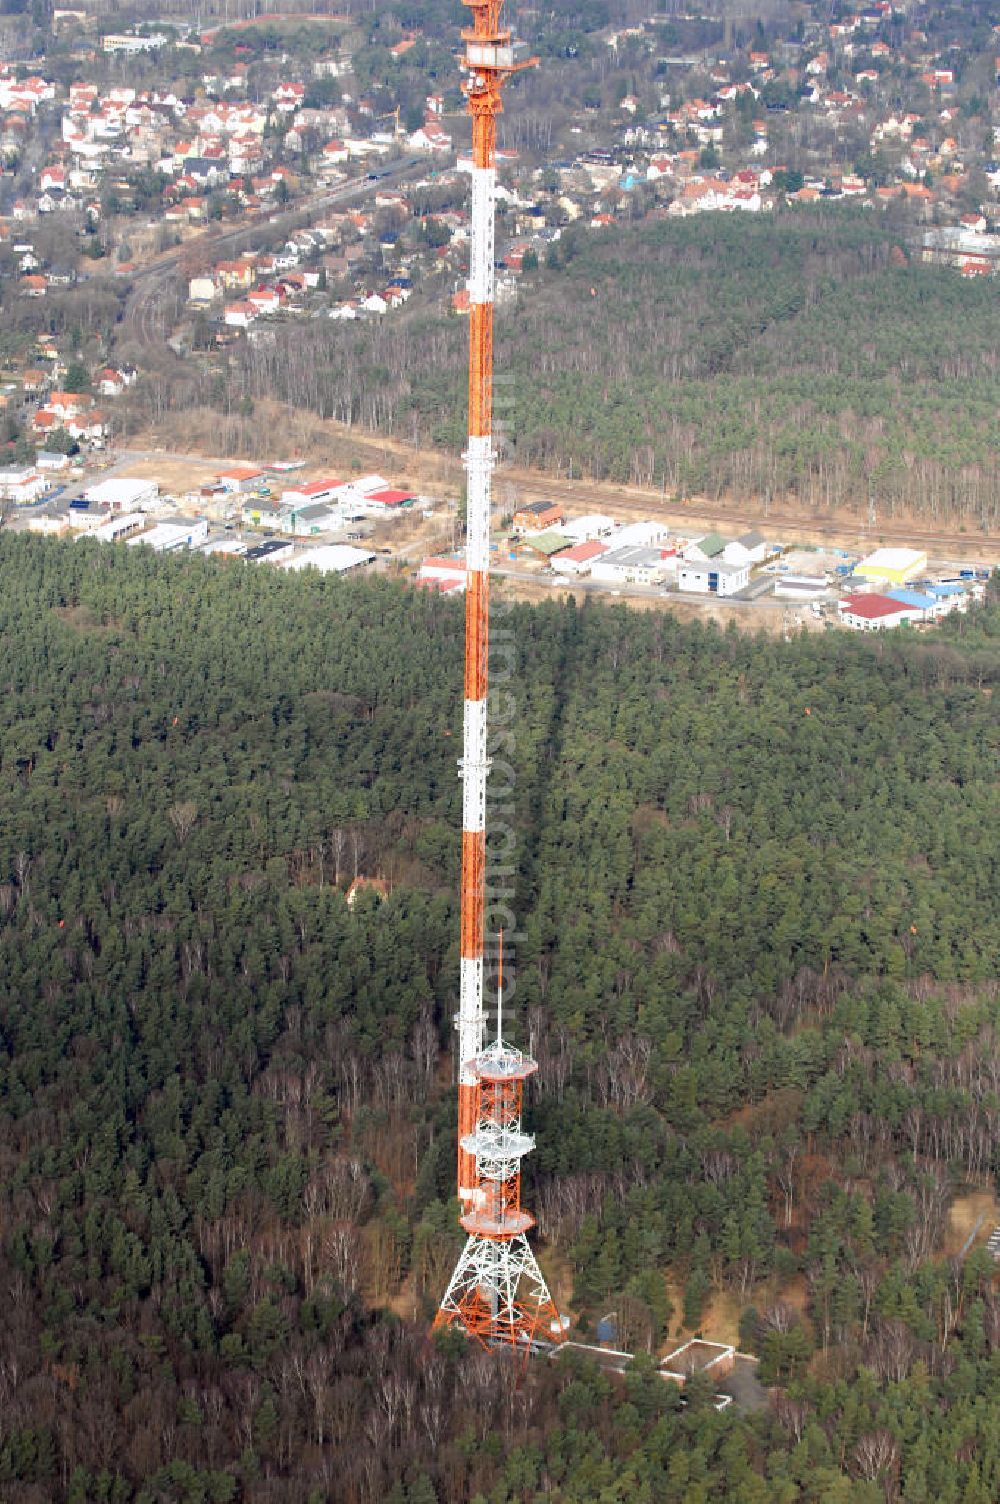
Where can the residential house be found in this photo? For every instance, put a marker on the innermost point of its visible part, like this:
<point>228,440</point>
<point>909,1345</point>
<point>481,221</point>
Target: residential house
<point>430,138</point>
<point>88,427</point>
<point>264,300</point>
<point>112,381</point>
<point>235,274</point>
<point>289,97</point>
<point>69,404</point>
<point>376,885</point>
<point>239,315</point>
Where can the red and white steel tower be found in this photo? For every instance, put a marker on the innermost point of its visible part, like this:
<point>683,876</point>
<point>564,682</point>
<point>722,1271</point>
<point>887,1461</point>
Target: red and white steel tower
<point>497,1292</point>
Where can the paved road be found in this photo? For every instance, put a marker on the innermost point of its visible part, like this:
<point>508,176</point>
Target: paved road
<point>744,1388</point>
<point>637,592</point>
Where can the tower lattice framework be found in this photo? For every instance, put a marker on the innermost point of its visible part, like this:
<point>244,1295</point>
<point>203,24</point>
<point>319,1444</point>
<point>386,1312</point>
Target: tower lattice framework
<point>497,1292</point>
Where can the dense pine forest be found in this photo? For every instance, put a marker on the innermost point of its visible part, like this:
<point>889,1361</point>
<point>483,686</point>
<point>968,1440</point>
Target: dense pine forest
<point>807,356</point>
<point>757,887</point>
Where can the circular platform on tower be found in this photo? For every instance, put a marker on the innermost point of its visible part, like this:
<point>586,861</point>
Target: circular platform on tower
<point>502,1062</point>
<point>492,1143</point>
<point>482,1225</point>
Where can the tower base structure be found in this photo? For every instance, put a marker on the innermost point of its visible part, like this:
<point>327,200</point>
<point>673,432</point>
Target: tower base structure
<point>498,1294</point>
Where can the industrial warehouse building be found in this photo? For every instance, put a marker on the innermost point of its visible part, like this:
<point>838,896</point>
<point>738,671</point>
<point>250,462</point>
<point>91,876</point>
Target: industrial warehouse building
<point>547,544</point>
<point>333,558</point>
<point>116,529</point>
<point>639,535</point>
<point>593,525</point>
<point>873,612</point>
<point>310,492</point>
<point>921,604</point>
<point>125,495</point>
<point>712,576</point>
<point>274,551</point>
<point>242,478</point>
<point>892,566</point>
<point>22,485</point>
<point>579,559</point>
<point>317,517</point>
<point>633,566</point>
<point>179,532</point>
<point>950,596</point>
<point>801,587</point>
<point>748,548</point>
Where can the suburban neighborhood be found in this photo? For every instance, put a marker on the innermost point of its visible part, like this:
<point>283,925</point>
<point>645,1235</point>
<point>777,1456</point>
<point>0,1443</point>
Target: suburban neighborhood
<point>172,196</point>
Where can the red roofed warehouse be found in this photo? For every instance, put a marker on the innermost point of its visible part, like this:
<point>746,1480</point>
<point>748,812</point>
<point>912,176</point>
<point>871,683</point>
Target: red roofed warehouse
<point>579,558</point>
<point>872,613</point>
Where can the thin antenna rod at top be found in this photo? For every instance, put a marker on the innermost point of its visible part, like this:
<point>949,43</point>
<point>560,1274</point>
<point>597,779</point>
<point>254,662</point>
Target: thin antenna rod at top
<point>500,990</point>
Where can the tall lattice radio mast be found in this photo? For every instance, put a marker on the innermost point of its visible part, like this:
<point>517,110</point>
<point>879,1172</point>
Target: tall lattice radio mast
<point>497,1292</point>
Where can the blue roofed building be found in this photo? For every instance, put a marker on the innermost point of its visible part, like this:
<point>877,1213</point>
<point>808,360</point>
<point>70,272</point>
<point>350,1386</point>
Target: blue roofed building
<point>950,596</point>
<point>920,607</point>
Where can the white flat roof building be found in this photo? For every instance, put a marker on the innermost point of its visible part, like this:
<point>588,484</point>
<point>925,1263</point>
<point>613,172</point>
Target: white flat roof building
<point>633,565</point>
<point>129,494</point>
<point>22,485</point>
<point>583,529</point>
<point>638,535</point>
<point>114,529</point>
<point>122,42</point>
<point>51,459</point>
<point>180,532</point>
<point>331,558</point>
<point>225,546</point>
<point>803,587</point>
